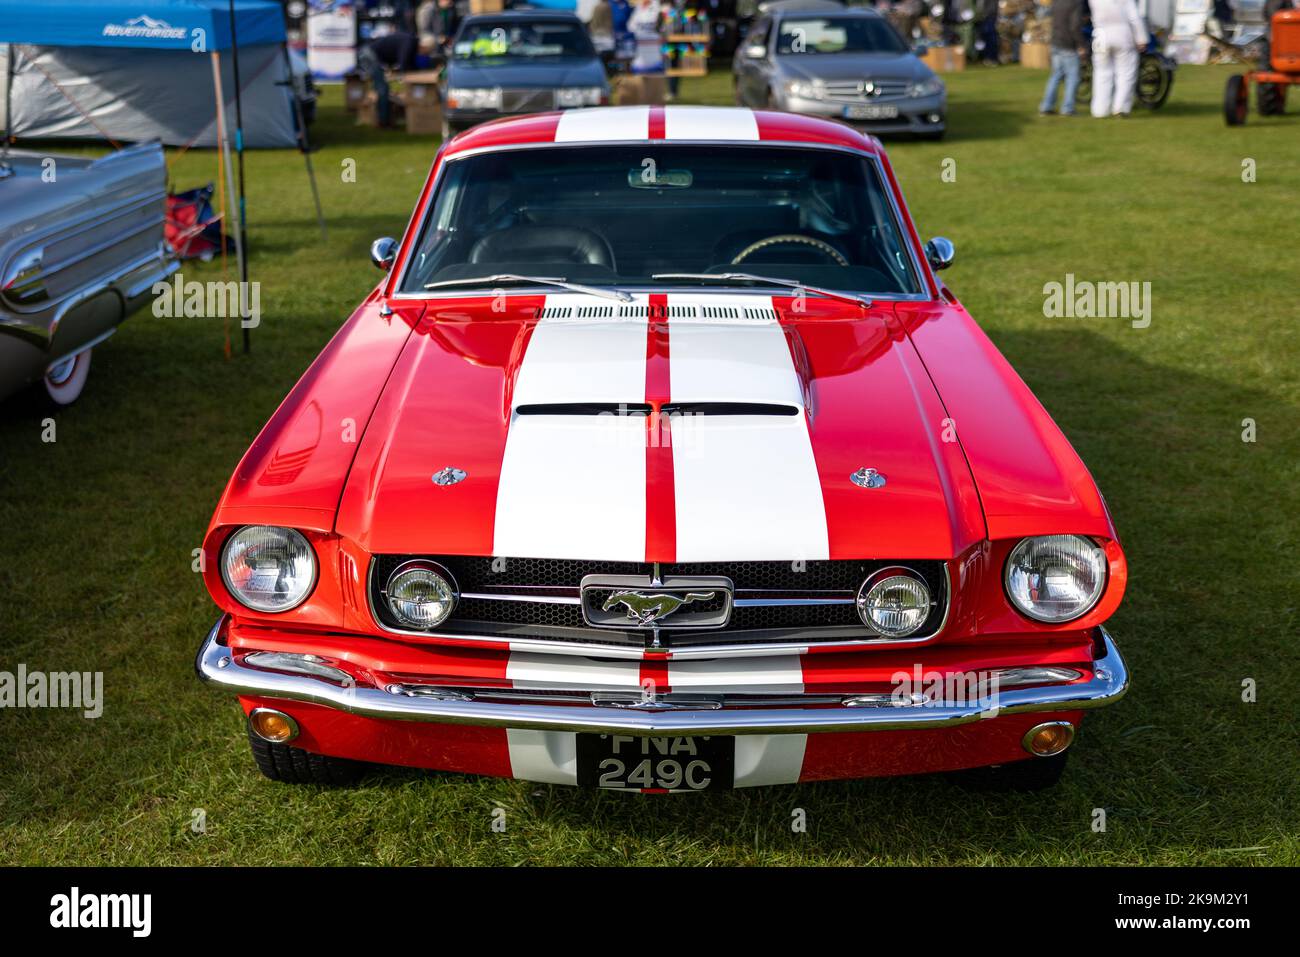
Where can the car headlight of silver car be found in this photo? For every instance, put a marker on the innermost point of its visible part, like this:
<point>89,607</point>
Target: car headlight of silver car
<point>806,89</point>
<point>420,594</point>
<point>570,96</point>
<point>474,98</point>
<point>268,568</point>
<point>930,87</point>
<point>894,602</point>
<point>1055,578</point>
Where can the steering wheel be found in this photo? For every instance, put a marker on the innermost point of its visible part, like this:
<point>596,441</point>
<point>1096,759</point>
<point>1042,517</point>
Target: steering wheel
<point>825,248</point>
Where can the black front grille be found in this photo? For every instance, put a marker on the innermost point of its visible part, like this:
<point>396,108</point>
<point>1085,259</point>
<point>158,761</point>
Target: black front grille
<point>524,583</point>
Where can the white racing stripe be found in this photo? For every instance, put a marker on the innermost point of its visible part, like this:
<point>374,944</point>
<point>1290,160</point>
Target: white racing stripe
<point>773,674</point>
<point>550,757</point>
<point>604,125</point>
<point>573,486</point>
<point>571,672</point>
<point>709,123</point>
<point>746,486</point>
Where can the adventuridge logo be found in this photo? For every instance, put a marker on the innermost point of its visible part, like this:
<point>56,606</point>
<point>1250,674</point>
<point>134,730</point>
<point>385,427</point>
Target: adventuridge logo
<point>144,27</point>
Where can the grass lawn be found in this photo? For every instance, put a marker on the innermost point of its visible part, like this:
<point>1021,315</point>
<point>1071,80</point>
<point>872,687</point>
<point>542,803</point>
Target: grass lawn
<point>97,528</point>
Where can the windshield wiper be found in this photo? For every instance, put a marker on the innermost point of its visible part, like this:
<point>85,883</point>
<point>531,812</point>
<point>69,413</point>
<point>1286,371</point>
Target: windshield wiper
<point>559,281</point>
<point>734,277</point>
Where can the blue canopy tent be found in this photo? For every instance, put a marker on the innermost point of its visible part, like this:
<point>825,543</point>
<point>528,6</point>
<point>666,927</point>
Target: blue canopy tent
<point>133,70</point>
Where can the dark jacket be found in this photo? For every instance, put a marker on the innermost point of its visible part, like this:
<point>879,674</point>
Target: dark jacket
<point>1067,24</point>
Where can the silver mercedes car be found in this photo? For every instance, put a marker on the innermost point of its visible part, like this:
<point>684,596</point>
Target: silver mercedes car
<point>824,59</point>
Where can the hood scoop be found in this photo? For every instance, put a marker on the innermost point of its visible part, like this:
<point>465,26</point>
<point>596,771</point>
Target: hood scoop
<point>644,408</point>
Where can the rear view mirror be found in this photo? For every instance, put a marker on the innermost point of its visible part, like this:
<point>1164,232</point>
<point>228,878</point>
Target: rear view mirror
<point>939,253</point>
<point>383,252</point>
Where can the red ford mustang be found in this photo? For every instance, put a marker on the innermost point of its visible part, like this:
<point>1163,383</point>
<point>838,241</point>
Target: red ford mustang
<point>662,460</point>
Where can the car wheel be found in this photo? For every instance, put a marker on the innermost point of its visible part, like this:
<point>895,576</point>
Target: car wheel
<point>1270,99</point>
<point>64,382</point>
<point>1031,774</point>
<point>1235,101</point>
<point>290,765</point>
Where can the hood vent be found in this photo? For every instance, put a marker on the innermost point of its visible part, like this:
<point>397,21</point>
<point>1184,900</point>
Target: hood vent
<point>584,408</point>
<point>642,408</point>
<point>696,312</point>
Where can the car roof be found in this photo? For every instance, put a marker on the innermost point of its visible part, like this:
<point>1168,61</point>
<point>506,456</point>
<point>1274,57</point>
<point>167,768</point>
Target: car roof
<point>781,7</point>
<point>524,14</point>
<point>670,124</point>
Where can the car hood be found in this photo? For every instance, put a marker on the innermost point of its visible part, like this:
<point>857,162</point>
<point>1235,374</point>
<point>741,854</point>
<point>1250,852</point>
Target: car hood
<point>768,407</point>
<point>540,73</point>
<point>856,66</point>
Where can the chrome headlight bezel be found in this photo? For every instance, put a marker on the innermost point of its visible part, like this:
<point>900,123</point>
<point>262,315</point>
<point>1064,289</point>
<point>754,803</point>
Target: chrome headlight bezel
<point>474,97</point>
<point>419,565</point>
<point>933,86</point>
<point>806,89</point>
<point>1017,577</point>
<point>572,97</point>
<point>894,577</point>
<point>292,537</point>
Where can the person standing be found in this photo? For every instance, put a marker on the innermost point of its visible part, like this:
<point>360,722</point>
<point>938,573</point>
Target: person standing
<point>986,16</point>
<point>1117,34</point>
<point>1067,42</point>
<point>395,51</point>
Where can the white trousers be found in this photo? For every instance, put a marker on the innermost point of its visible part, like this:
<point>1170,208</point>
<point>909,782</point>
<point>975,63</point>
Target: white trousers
<point>1114,74</point>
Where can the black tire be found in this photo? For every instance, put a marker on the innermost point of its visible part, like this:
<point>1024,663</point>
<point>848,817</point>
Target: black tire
<point>290,765</point>
<point>1083,95</point>
<point>1235,101</point>
<point>1027,776</point>
<point>1270,99</point>
<point>1154,81</point>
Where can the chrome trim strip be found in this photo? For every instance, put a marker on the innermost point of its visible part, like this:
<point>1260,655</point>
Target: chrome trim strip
<point>533,599</point>
<point>216,666</point>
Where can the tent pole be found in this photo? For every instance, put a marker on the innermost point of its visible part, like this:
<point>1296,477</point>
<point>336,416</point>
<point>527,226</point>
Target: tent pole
<point>239,148</point>
<point>224,142</point>
<point>303,145</point>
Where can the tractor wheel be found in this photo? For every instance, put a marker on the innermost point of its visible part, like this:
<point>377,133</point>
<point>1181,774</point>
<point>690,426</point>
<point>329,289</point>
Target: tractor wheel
<point>1154,82</point>
<point>1270,99</point>
<point>1235,100</point>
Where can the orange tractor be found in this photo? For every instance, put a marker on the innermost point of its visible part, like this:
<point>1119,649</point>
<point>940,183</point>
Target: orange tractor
<point>1281,71</point>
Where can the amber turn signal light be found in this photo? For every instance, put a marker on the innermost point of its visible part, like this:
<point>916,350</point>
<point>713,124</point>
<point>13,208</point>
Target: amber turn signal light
<point>274,726</point>
<point>1045,740</point>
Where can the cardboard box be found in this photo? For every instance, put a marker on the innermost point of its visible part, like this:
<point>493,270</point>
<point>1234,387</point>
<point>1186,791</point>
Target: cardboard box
<point>368,110</point>
<point>642,89</point>
<point>486,6</point>
<point>1036,56</point>
<point>424,119</point>
<point>422,87</point>
<point>354,91</point>
<point>945,59</point>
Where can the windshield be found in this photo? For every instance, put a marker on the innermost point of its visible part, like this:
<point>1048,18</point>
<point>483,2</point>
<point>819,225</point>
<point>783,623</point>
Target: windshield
<point>821,35</point>
<point>619,215</point>
<point>511,38</point>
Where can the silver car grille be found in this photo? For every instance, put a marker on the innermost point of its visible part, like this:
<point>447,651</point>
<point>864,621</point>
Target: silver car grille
<point>865,91</point>
<point>527,101</point>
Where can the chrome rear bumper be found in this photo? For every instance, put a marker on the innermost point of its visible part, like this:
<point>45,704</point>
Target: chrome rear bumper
<point>217,667</point>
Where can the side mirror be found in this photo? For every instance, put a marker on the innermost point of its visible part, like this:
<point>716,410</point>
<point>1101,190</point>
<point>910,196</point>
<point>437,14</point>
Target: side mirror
<point>383,252</point>
<point>939,253</point>
<point>756,51</point>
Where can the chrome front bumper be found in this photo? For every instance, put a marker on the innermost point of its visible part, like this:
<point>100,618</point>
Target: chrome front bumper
<point>218,667</point>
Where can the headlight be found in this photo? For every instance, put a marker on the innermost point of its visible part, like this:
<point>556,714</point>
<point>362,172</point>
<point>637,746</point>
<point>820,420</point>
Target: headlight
<point>474,98</point>
<point>268,568</point>
<point>894,603</point>
<point>578,96</point>
<point>420,594</point>
<point>930,87</point>
<point>806,89</point>
<point>1055,578</point>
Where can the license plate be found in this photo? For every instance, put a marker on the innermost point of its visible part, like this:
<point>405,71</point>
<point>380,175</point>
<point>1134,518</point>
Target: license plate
<point>623,762</point>
<point>870,112</point>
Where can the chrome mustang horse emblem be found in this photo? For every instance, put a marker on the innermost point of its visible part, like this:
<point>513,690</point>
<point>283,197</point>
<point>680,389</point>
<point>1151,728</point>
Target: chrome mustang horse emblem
<point>648,607</point>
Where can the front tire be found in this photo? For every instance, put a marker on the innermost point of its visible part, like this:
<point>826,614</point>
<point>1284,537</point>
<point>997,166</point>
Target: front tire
<point>290,765</point>
<point>1027,776</point>
<point>65,382</point>
<point>1270,99</point>
<point>1235,101</point>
